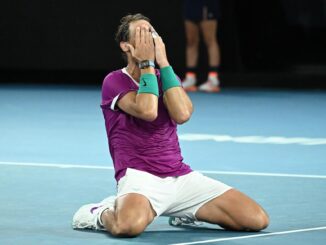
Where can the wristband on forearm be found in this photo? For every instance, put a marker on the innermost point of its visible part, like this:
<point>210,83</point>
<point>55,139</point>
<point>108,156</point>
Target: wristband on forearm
<point>148,84</point>
<point>169,79</point>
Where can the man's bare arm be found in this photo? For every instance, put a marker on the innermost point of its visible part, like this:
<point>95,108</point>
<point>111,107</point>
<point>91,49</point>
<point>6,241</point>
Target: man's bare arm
<point>144,104</point>
<point>176,99</point>
<point>178,104</point>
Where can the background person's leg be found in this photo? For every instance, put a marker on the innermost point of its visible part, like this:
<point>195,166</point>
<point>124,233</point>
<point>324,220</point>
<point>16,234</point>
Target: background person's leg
<point>235,211</point>
<point>133,213</point>
<point>192,43</point>
<point>209,31</point>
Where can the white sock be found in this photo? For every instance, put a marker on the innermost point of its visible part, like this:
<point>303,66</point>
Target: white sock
<point>99,220</point>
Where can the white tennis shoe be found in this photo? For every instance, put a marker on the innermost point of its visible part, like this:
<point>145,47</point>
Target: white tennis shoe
<point>87,216</point>
<point>178,221</point>
<point>211,85</point>
<point>189,84</point>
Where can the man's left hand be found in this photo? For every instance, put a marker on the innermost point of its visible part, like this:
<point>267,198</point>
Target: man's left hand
<point>160,51</point>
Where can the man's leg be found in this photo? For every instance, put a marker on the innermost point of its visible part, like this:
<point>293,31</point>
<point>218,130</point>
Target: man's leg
<point>132,214</point>
<point>234,210</point>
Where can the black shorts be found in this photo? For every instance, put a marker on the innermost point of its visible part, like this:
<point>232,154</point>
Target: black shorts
<point>199,10</point>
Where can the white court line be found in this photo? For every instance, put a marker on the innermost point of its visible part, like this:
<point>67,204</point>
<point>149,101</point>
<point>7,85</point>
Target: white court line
<point>252,236</point>
<point>58,165</point>
<point>312,176</point>
<point>55,165</point>
<point>251,139</point>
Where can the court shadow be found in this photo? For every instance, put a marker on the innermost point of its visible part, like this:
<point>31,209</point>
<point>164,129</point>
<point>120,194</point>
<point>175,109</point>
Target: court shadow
<point>190,234</point>
<point>169,235</point>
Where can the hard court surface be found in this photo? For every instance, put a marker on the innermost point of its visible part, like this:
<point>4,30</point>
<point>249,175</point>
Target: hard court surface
<point>270,144</point>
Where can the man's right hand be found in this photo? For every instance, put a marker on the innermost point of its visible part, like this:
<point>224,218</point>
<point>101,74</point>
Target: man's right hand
<point>144,45</point>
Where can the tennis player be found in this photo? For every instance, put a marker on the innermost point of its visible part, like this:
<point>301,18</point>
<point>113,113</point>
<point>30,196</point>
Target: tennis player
<point>142,106</point>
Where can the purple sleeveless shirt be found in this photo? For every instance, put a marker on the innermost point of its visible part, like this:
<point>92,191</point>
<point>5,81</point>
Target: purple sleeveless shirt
<point>152,147</point>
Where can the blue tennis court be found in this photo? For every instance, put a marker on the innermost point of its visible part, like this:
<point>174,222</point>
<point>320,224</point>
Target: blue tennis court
<point>270,144</point>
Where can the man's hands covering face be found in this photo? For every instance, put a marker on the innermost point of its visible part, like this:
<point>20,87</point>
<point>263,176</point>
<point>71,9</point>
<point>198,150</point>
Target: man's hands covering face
<point>144,45</point>
<point>148,46</point>
<point>160,51</point>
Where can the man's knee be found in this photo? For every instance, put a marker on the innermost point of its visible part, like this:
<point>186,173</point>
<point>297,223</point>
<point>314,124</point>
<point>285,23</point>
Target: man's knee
<point>126,230</point>
<point>262,221</point>
<point>131,216</point>
<point>256,222</point>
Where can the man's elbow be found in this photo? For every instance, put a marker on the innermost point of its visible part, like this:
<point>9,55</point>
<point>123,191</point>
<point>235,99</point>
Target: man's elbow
<point>149,115</point>
<point>183,117</point>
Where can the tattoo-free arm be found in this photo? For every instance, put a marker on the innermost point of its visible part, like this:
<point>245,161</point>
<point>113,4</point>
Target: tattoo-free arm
<point>143,105</point>
<point>178,104</point>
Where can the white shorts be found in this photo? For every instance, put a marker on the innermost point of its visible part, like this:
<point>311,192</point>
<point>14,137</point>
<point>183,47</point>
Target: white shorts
<point>172,196</point>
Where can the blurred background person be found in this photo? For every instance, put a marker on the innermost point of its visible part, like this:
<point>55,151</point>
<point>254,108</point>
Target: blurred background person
<point>201,16</point>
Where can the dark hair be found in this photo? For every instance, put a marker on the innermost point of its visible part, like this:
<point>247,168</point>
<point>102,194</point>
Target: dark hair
<point>122,34</point>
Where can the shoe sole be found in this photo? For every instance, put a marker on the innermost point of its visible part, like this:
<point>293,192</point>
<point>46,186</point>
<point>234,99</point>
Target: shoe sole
<point>191,89</point>
<point>174,223</point>
<point>212,90</point>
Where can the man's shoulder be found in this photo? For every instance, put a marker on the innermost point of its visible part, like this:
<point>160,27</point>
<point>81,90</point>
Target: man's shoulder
<point>116,83</point>
<point>113,75</point>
